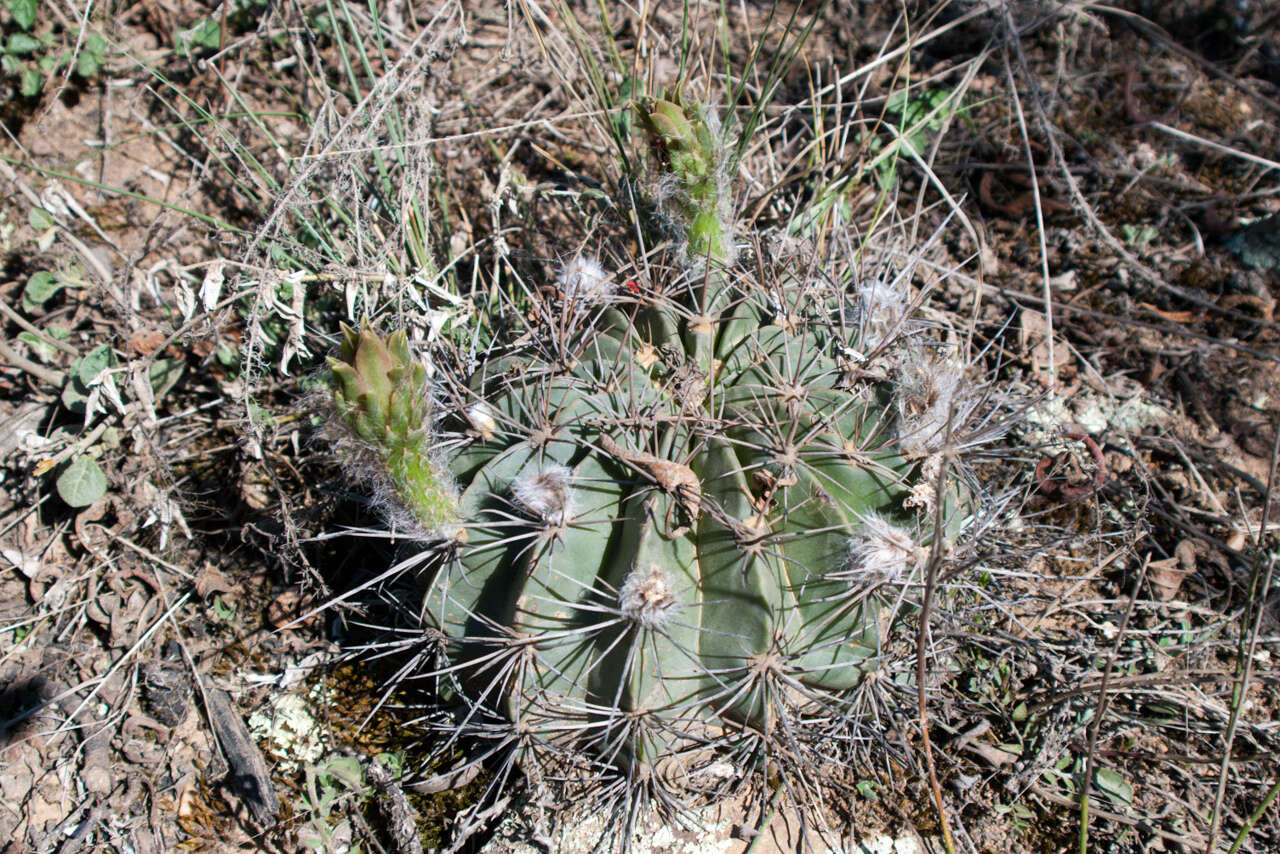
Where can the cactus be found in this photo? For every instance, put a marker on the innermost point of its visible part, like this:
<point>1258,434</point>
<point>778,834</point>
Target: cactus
<point>689,515</point>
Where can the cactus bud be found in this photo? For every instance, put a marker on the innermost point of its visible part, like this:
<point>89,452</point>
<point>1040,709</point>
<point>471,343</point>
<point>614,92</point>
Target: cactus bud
<point>686,141</point>
<point>380,393</point>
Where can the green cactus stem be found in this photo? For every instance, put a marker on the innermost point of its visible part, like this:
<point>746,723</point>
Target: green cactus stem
<point>665,555</point>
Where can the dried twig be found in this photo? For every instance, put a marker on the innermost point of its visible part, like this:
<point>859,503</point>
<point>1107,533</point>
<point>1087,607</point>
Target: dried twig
<point>922,638</point>
<point>249,774</point>
<point>49,375</point>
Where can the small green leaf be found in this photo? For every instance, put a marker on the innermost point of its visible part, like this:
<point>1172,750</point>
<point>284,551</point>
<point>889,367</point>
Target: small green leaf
<point>1113,786</point>
<point>867,789</point>
<point>392,761</point>
<point>227,354</point>
<point>32,82</point>
<point>87,64</point>
<point>222,611</point>
<point>39,347</point>
<point>83,373</point>
<point>41,288</point>
<point>92,56</point>
<point>1139,235</point>
<point>99,359</point>
<point>20,43</point>
<point>82,482</point>
<point>23,11</point>
<point>343,769</point>
<point>75,396</point>
<point>40,219</point>
<point>206,34</point>
<point>165,374</point>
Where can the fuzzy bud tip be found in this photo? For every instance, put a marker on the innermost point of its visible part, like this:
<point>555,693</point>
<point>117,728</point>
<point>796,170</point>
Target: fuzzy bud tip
<point>647,597</point>
<point>546,494</point>
<point>584,280</point>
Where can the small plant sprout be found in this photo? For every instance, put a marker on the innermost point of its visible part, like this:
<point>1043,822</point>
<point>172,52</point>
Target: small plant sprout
<point>694,183</point>
<point>381,395</point>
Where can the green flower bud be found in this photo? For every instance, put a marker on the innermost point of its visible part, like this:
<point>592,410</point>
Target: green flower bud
<point>381,394</point>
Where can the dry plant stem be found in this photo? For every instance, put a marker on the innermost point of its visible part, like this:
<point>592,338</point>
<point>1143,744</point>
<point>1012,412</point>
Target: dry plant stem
<point>1254,609</point>
<point>1215,146</point>
<point>37,331</point>
<point>1101,712</point>
<point>1035,195</point>
<point>922,644</point>
<point>40,372</point>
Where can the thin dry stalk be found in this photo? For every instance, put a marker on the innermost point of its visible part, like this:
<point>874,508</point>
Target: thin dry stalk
<point>1101,711</point>
<point>1254,609</point>
<point>922,643</point>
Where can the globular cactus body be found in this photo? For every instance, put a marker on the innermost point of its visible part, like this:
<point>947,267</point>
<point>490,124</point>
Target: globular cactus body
<point>680,511</point>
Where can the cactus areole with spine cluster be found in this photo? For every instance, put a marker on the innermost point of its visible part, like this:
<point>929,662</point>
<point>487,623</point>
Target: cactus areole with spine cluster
<point>670,520</point>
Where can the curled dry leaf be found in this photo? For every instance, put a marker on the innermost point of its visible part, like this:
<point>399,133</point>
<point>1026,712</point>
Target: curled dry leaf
<point>1167,575</point>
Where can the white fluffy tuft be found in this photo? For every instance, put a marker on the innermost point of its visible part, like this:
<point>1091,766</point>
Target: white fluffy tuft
<point>882,553</point>
<point>930,394</point>
<point>882,309</point>
<point>584,280</point>
<point>647,597</point>
<point>546,494</point>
